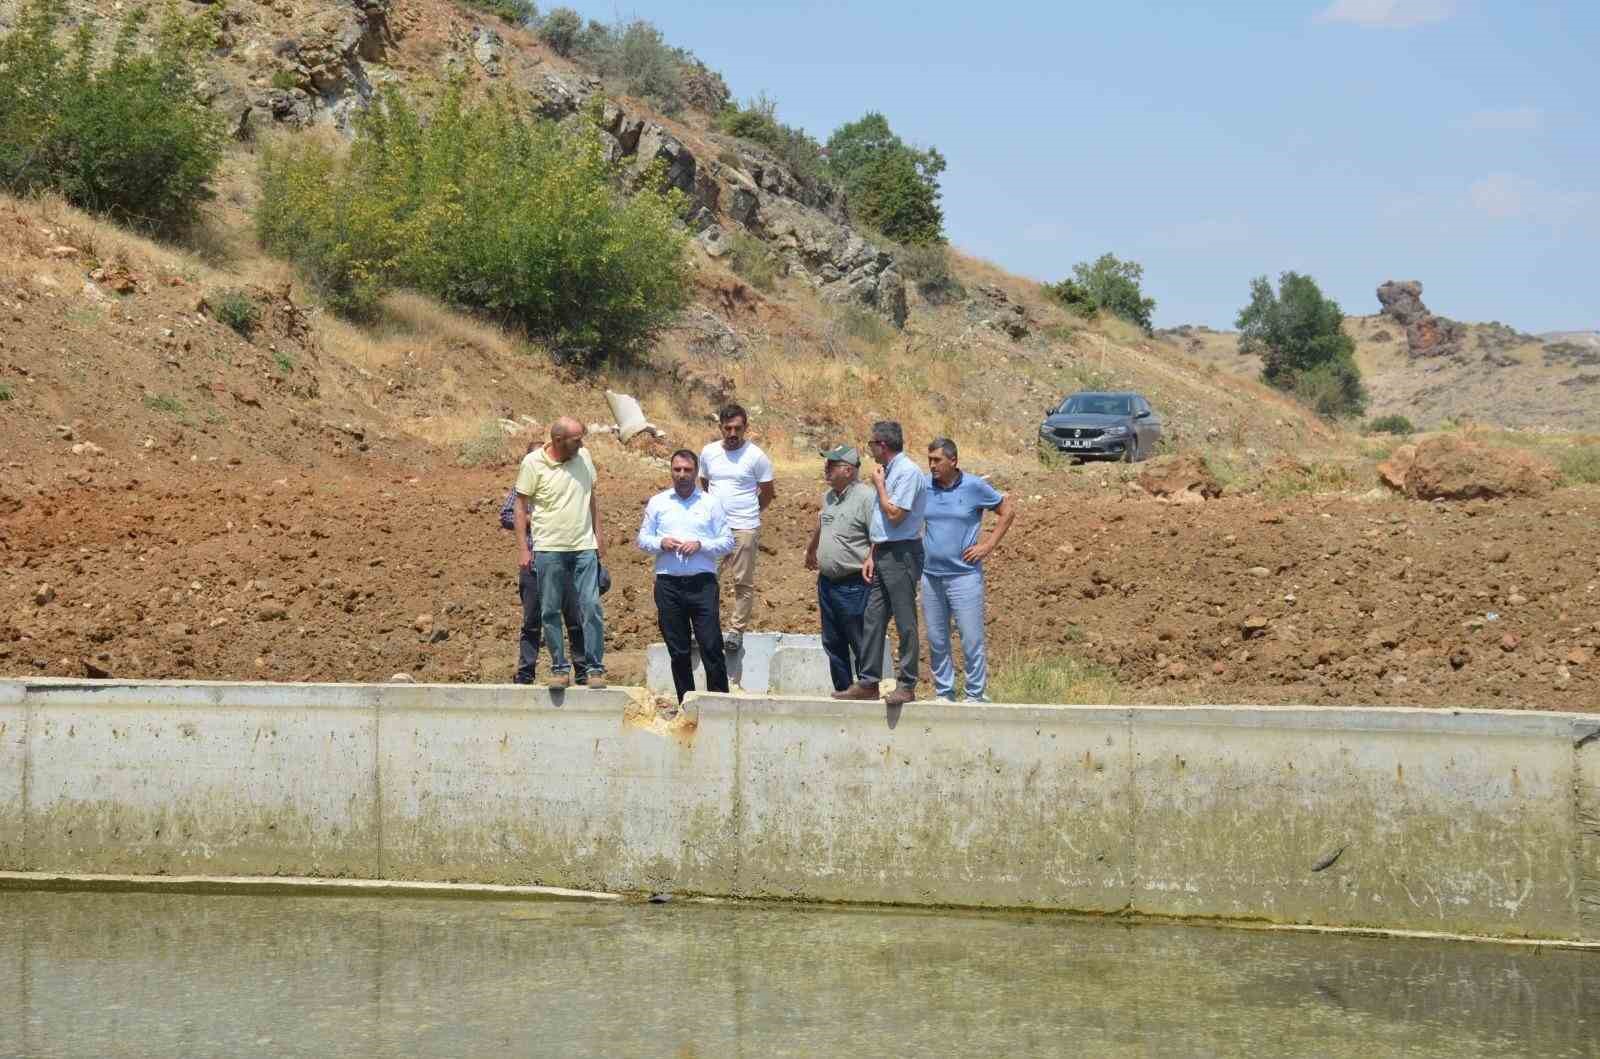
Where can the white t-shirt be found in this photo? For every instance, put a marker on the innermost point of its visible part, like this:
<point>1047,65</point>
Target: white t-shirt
<point>732,478</point>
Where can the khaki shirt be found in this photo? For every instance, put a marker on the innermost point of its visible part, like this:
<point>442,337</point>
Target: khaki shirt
<point>843,543</point>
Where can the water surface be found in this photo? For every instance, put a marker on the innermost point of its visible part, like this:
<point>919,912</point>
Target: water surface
<point>169,975</point>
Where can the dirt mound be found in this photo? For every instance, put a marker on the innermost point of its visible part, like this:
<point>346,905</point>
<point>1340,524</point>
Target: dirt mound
<point>1453,468</point>
<point>1183,479</point>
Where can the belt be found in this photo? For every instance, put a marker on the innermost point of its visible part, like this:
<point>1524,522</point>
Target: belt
<point>907,542</point>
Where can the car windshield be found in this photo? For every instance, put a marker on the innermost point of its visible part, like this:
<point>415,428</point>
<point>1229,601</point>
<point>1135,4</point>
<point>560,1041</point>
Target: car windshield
<point>1096,404</point>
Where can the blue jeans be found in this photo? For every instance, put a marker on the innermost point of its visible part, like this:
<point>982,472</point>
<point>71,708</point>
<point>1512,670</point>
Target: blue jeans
<point>842,605</point>
<point>571,575</point>
<point>959,596</point>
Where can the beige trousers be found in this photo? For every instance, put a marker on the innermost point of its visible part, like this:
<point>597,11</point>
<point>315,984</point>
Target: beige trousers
<point>739,567</point>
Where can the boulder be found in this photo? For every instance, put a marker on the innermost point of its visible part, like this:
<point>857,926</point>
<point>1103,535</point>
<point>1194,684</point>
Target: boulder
<point>1184,478</point>
<point>838,262</point>
<point>1453,468</point>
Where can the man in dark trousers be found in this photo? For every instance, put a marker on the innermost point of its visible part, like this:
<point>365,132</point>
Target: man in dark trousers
<point>686,529</point>
<point>838,552</point>
<point>893,568</point>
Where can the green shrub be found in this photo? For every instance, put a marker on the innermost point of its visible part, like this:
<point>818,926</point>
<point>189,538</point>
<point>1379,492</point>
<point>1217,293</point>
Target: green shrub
<point>485,210</point>
<point>516,12</point>
<point>635,55</point>
<point>1107,284</point>
<point>927,267</point>
<point>164,403</point>
<point>730,159</point>
<point>1390,424</point>
<point>1072,296</point>
<point>235,308</point>
<point>1037,677</point>
<point>285,80</point>
<point>561,29</point>
<point>6,393</point>
<point>1580,465</point>
<point>757,121</point>
<point>128,139</point>
<point>1300,337</point>
<point>284,362</point>
<point>750,259</point>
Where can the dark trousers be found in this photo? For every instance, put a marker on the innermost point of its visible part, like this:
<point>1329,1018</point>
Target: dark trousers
<point>682,604</point>
<point>531,638</point>
<point>842,606</point>
<point>897,567</point>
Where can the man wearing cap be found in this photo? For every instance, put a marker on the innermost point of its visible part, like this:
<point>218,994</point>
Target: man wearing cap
<point>838,552</point>
<point>893,568</point>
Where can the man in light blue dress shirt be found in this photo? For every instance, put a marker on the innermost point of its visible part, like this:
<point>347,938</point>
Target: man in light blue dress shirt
<point>894,569</point>
<point>686,529</point>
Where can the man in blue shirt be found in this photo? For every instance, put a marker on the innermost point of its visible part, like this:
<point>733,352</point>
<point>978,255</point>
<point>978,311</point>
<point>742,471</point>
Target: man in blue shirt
<point>687,531</point>
<point>952,576</point>
<point>894,567</point>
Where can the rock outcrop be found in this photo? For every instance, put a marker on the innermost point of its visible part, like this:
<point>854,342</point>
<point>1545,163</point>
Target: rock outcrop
<point>838,262</point>
<point>991,307</point>
<point>1427,335</point>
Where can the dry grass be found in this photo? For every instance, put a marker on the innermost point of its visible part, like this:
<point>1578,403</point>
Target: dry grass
<point>1052,678</point>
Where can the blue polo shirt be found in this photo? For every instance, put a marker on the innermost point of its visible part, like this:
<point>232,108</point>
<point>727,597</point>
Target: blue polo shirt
<point>907,487</point>
<point>954,516</point>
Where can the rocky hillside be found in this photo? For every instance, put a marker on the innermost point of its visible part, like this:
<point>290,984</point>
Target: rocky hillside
<point>1434,370</point>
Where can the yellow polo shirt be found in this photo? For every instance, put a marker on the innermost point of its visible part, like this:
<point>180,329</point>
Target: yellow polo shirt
<point>558,501</point>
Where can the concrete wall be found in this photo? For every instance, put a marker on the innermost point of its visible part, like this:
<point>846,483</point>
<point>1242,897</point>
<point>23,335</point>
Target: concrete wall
<point>1472,822</point>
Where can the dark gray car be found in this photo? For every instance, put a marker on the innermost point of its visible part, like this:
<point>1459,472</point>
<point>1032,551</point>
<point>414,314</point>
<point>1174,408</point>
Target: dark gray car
<point>1101,426</point>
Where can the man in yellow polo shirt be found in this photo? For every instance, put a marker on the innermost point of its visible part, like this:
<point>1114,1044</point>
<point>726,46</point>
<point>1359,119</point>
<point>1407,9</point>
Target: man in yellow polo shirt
<point>556,503</point>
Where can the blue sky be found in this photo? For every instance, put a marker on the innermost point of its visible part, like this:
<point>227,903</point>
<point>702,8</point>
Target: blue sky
<point>1452,141</point>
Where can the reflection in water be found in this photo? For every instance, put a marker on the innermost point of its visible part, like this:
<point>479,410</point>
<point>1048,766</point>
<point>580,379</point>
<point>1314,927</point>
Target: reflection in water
<point>146,974</point>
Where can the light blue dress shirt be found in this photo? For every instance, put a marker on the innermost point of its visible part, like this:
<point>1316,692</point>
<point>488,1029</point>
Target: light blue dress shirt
<point>700,517</point>
<point>904,483</point>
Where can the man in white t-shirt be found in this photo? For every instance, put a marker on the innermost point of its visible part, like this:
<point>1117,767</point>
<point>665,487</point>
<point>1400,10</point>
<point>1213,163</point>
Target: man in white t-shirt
<point>739,474</point>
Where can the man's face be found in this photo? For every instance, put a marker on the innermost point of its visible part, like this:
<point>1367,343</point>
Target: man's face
<point>683,475</point>
<point>567,445</point>
<point>942,467</point>
<point>880,452</point>
<point>839,474</point>
<point>733,432</point>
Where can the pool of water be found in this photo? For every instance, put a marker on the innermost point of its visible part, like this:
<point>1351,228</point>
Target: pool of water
<point>146,974</point>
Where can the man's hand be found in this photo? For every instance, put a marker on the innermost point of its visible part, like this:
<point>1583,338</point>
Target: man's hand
<point>811,558</point>
<point>671,544</point>
<point>978,552</point>
<point>867,570</point>
<point>688,548</point>
<point>524,558</point>
<point>879,476</point>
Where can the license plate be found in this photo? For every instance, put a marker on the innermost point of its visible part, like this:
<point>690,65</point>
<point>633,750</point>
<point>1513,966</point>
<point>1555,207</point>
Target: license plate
<point>1076,443</point>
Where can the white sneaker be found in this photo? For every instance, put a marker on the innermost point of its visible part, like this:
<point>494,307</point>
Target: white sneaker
<point>948,700</point>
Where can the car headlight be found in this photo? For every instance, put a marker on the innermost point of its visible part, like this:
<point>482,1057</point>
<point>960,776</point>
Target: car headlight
<point>1116,432</point>
<point>1044,428</point>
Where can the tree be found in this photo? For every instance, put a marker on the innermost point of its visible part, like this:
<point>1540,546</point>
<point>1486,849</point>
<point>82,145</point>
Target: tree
<point>1108,284</point>
<point>1299,335</point>
<point>892,186</point>
<point>561,29</point>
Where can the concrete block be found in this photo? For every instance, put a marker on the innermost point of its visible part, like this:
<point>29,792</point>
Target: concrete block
<point>209,778</point>
<point>1443,823</point>
<point>769,664</point>
<point>13,773</point>
<point>507,787</point>
<point>934,803</point>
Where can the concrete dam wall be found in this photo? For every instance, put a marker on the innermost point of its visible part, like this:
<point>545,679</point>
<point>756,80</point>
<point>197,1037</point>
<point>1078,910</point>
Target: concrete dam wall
<point>1467,822</point>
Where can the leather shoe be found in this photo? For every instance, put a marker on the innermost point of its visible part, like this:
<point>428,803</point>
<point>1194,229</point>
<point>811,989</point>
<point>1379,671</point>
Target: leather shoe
<point>858,693</point>
<point>900,696</point>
